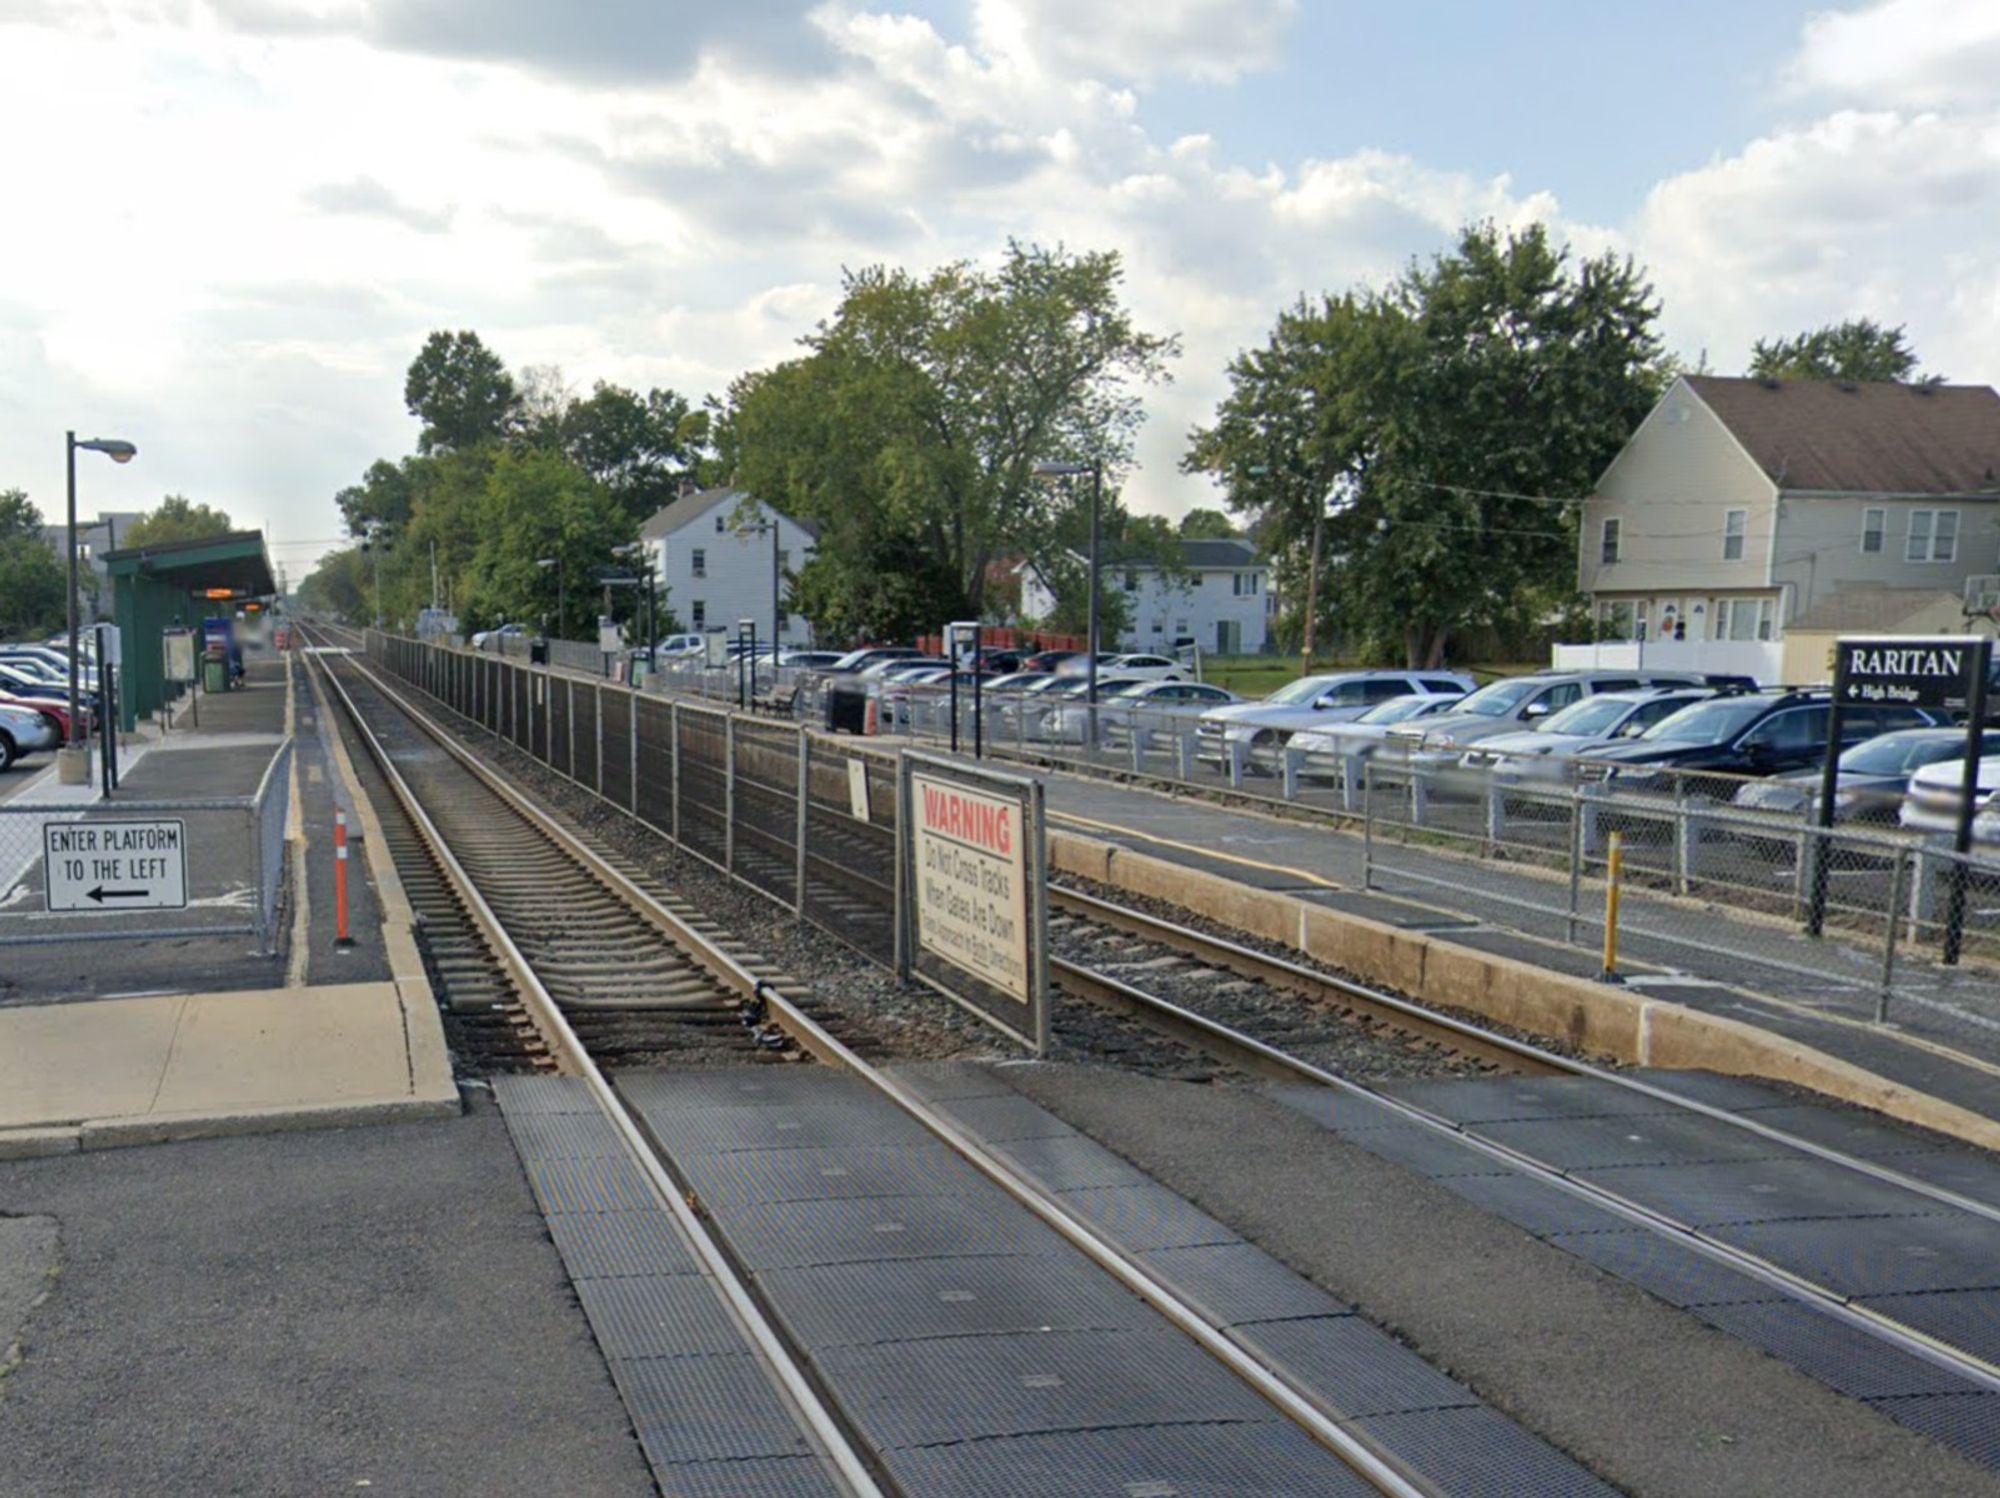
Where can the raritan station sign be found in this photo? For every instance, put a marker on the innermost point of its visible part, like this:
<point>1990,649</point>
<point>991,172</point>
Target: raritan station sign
<point>1938,672</point>
<point>970,871</point>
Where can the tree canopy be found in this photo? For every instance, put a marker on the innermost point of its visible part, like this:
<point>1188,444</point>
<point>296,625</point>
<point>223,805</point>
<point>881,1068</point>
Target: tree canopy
<point>1442,424</point>
<point>177,518</point>
<point>1858,349</point>
<point>913,426</point>
<point>461,392</point>
<point>1206,525</point>
<point>32,581</point>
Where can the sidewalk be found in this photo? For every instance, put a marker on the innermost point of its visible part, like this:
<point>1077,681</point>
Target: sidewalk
<point>1938,1043</point>
<point>188,1066</point>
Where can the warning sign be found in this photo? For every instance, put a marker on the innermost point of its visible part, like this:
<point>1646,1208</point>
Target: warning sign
<point>109,866</point>
<point>970,871</point>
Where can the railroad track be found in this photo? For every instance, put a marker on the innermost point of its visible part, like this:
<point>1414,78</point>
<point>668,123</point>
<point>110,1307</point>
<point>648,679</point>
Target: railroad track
<point>495,875</point>
<point>1254,1050</point>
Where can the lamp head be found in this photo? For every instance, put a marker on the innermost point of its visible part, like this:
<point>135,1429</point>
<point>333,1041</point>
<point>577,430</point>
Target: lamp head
<point>1060,470</point>
<point>114,448</point>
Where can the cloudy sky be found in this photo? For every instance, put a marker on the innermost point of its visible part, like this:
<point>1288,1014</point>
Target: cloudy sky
<point>231,222</point>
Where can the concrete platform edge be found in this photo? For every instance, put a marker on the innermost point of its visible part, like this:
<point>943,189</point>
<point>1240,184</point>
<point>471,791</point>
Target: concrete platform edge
<point>1594,1017</point>
<point>168,1128</point>
<point>423,1025</point>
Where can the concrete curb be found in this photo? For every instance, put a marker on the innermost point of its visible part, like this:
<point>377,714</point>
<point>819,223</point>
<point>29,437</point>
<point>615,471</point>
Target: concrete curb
<point>423,1026</point>
<point>33,1144</point>
<point>1596,1018</point>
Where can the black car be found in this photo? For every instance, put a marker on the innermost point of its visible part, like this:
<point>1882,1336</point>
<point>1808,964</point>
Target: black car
<point>1754,734</point>
<point>1874,777</point>
<point>20,684</point>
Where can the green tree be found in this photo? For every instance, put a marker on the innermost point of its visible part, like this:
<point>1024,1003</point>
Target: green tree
<point>914,424</point>
<point>1858,349</point>
<point>461,392</point>
<point>176,518</point>
<point>537,505</point>
<point>1435,431</point>
<point>386,494</point>
<point>340,585</point>
<point>638,447</point>
<point>32,580</point>
<point>1207,525</point>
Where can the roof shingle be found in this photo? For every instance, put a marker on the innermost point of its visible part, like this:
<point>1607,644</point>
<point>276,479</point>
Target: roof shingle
<point>1877,437</point>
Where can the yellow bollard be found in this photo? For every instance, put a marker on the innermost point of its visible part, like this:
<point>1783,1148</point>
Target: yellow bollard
<point>1614,873</point>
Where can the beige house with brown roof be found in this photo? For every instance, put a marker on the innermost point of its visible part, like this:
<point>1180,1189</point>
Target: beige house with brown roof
<point>1741,507</point>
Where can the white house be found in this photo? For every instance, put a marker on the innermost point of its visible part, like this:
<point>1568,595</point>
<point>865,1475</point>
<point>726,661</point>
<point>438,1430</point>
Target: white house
<point>715,554</point>
<point>1219,598</point>
<point>93,539</point>
<point>1744,508</point>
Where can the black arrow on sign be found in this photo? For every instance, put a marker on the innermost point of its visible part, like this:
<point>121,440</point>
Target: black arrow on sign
<point>101,894</point>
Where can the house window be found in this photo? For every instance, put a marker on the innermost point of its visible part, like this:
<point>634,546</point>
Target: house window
<point>1734,523</point>
<point>698,613</point>
<point>784,558</point>
<point>1874,522</point>
<point>700,562</point>
<point>718,525</point>
<point>1609,551</point>
<point>1743,619</point>
<point>1159,626</point>
<point>1933,536</point>
<point>1131,582</point>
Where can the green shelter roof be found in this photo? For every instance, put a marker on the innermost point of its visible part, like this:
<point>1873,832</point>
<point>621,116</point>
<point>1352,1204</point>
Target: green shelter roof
<point>237,561</point>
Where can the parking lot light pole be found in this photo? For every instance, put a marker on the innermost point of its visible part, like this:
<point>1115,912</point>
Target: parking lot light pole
<point>77,769</point>
<point>562,599</point>
<point>1095,468</point>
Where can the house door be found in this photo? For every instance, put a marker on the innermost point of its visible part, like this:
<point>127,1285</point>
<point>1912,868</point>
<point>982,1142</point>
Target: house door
<point>1673,620</point>
<point>1228,637</point>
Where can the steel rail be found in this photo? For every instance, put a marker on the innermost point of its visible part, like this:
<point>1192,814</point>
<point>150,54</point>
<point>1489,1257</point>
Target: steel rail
<point>1300,1406</point>
<point>1259,1056</point>
<point>744,1310</point>
<point>1472,1038</point>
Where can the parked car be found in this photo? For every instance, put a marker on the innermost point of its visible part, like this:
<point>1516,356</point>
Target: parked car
<point>1150,667</point>
<point>1315,702</point>
<point>53,711</point>
<point>51,662</point>
<point>898,667</point>
<point>1516,702</point>
<point>1364,735</point>
<point>1047,660</point>
<point>1748,734</point>
<point>1875,777</point>
<point>809,660</point>
<point>1077,663</point>
<point>1937,791</point>
<point>1130,705</point>
<point>480,637</point>
<point>856,661</point>
<point>24,731</point>
<point>16,683</point>
<point>1542,752</point>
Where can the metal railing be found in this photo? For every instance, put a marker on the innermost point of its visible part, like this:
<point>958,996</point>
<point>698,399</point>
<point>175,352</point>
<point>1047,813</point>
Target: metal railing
<point>234,849</point>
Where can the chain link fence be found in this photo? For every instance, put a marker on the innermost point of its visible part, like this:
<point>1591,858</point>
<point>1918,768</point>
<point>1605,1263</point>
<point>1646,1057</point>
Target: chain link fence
<point>234,853</point>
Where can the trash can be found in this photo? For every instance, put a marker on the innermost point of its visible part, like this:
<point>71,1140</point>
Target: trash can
<point>538,652</point>
<point>215,669</point>
<point>846,709</point>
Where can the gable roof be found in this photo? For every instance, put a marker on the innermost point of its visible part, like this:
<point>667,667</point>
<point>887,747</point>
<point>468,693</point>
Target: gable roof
<point>1197,556</point>
<point>686,509</point>
<point>1877,437</point>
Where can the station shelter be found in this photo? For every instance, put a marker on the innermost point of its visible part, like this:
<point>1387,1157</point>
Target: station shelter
<point>176,585</point>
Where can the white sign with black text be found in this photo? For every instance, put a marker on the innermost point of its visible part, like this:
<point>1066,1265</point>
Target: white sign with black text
<point>99,866</point>
<point>971,882</point>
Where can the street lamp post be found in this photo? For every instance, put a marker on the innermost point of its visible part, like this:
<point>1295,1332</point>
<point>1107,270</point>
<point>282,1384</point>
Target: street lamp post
<point>637,552</point>
<point>562,587</point>
<point>1095,468</point>
<point>75,769</point>
<point>770,525</point>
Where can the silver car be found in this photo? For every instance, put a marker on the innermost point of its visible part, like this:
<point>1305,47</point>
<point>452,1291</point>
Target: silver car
<point>24,731</point>
<point>1513,703</point>
<point>1540,753</point>
<point>1142,706</point>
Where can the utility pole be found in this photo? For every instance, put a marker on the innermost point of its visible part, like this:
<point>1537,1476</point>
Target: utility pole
<point>1312,591</point>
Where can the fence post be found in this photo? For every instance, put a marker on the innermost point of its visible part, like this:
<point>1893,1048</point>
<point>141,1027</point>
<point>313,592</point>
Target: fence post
<point>257,878</point>
<point>1577,853</point>
<point>902,921</point>
<point>1186,748</point>
<point>1420,794</point>
<point>632,749</point>
<point>674,767</point>
<point>598,692</point>
<point>1290,767</point>
<point>1353,773</point>
<point>569,691</point>
<point>1898,874</point>
<point>1239,751</point>
<point>1683,853</point>
<point>1367,824</point>
<point>1496,814</point>
<point>1614,871</point>
<point>729,793</point>
<point>804,800</point>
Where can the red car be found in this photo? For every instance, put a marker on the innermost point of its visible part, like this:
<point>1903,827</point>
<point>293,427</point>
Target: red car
<point>56,712</point>
<point>1047,660</point>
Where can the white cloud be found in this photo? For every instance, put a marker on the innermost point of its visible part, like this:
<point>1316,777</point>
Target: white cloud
<point>1209,40</point>
<point>1909,53</point>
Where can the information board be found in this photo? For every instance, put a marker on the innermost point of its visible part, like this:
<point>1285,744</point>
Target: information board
<point>970,868</point>
<point>101,866</point>
<point>1931,671</point>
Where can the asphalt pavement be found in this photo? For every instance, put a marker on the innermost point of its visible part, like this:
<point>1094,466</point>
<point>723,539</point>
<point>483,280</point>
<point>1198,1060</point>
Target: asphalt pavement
<point>371,1310</point>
